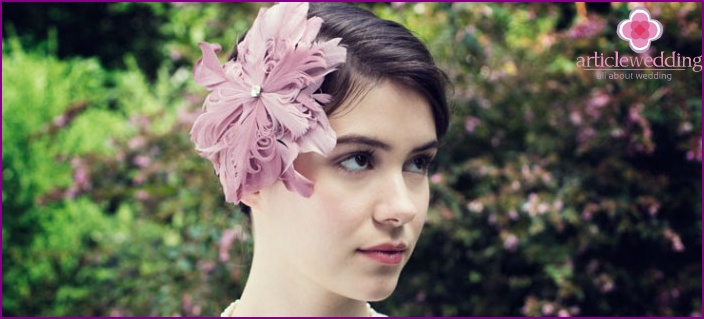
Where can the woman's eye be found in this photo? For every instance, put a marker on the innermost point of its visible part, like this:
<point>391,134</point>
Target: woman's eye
<point>357,162</point>
<point>418,164</point>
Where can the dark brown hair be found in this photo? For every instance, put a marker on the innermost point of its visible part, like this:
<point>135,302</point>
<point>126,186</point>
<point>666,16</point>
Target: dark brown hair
<point>377,50</point>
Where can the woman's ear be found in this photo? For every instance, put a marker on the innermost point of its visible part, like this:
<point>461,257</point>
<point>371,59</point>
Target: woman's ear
<point>252,199</point>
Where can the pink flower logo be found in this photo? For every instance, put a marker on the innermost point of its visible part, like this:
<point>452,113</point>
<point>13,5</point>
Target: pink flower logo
<point>639,30</point>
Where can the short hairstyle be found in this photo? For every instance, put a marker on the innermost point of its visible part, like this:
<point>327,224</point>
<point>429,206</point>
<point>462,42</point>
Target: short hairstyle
<point>378,49</point>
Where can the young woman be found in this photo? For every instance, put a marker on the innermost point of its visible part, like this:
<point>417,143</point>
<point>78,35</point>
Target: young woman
<point>323,122</point>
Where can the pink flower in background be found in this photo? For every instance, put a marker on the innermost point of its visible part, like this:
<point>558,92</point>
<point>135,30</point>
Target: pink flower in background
<point>590,28</point>
<point>136,142</point>
<point>436,178</point>
<point>511,242</point>
<point>639,30</point>
<point>142,161</point>
<point>548,309</point>
<point>228,237</point>
<point>142,195</point>
<point>470,123</point>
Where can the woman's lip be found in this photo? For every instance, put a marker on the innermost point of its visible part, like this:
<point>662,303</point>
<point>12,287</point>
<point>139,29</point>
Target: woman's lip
<point>388,253</point>
<point>389,257</point>
<point>390,247</point>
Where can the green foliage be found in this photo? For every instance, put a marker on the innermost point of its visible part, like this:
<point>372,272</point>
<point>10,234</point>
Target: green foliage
<point>555,193</point>
<point>41,237</point>
<point>94,167</point>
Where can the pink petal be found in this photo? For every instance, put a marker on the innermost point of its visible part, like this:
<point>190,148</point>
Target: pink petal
<point>208,71</point>
<point>287,21</point>
<point>640,17</point>
<point>311,30</point>
<point>285,114</point>
<point>322,98</point>
<point>293,180</point>
<point>627,29</point>
<point>296,182</point>
<point>654,31</point>
<point>263,152</point>
<point>243,158</point>
<point>333,53</point>
<point>231,173</point>
<point>237,77</point>
<point>640,43</point>
<point>321,139</point>
<point>265,165</point>
<point>301,68</point>
<point>248,50</point>
<point>209,127</point>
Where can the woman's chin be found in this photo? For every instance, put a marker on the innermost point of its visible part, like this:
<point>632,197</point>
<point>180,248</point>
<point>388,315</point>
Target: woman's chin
<point>380,293</point>
<point>380,298</point>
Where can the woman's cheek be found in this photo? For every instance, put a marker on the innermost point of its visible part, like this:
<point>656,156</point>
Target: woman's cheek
<point>335,195</point>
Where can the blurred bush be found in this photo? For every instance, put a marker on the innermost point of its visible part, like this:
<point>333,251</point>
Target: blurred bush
<point>555,193</point>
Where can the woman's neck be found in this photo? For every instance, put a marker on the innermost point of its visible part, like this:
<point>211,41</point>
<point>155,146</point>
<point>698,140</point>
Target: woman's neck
<point>273,290</point>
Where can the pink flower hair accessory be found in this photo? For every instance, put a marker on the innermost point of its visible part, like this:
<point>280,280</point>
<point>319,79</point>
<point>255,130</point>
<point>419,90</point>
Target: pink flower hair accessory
<point>263,109</point>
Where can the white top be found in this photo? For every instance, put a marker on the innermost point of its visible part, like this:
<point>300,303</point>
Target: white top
<point>230,311</point>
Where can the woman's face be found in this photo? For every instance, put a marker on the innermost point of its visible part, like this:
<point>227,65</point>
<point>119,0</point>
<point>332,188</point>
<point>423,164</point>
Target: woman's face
<point>355,233</point>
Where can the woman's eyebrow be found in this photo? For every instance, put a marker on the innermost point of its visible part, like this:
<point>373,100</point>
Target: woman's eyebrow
<point>430,145</point>
<point>359,139</point>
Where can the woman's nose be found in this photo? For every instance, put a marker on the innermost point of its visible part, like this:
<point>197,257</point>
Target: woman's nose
<point>395,205</point>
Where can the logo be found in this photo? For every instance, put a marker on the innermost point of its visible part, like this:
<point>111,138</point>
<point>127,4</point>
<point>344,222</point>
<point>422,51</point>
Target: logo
<point>639,30</point>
